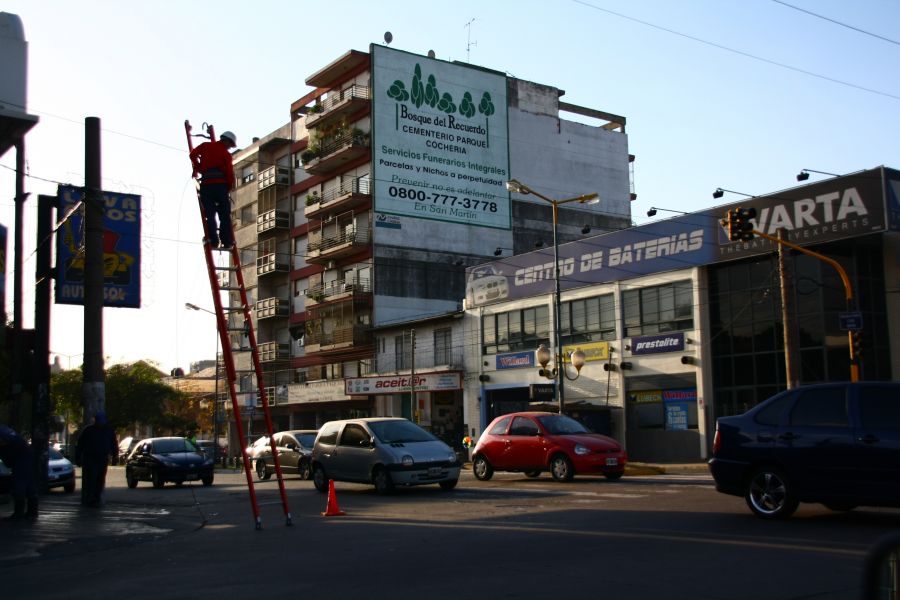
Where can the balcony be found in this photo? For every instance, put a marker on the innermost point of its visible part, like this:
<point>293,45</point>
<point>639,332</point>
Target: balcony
<point>273,351</point>
<point>273,220</point>
<point>272,263</point>
<point>273,307</point>
<point>274,176</point>
<point>338,104</point>
<point>347,241</point>
<point>337,290</point>
<point>348,196</point>
<point>338,340</point>
<point>334,152</point>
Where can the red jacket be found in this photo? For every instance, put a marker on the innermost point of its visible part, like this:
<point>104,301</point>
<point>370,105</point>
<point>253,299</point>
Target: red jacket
<point>213,161</point>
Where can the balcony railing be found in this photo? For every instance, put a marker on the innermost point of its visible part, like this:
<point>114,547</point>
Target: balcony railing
<point>348,241</point>
<point>337,289</point>
<point>348,195</point>
<point>334,152</point>
<point>272,263</point>
<point>273,307</point>
<point>337,104</point>
<point>274,176</point>
<point>272,351</point>
<point>273,219</point>
<point>339,339</point>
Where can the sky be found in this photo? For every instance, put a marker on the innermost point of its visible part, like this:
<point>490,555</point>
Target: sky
<point>738,94</point>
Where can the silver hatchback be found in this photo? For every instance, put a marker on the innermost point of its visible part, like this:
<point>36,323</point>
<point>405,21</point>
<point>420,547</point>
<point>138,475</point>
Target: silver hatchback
<point>385,452</point>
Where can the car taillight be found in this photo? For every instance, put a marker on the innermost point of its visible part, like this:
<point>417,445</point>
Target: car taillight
<point>717,441</point>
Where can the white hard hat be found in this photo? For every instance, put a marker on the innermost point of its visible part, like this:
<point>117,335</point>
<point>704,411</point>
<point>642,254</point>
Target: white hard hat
<point>227,135</point>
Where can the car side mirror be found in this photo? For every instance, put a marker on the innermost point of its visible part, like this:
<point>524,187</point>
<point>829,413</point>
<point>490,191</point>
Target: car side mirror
<point>881,578</point>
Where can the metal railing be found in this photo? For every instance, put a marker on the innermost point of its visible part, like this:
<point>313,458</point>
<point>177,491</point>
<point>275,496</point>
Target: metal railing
<point>324,291</point>
<point>352,236</point>
<point>336,98</point>
<point>355,186</point>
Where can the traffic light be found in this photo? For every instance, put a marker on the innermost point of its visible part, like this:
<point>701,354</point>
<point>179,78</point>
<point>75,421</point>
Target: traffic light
<point>856,341</point>
<point>740,229</point>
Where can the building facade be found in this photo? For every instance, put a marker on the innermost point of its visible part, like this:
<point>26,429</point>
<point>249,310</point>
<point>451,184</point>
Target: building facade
<point>681,325</point>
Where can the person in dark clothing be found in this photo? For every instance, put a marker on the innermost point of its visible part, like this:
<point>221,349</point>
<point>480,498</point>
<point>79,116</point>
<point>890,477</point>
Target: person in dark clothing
<point>16,454</point>
<point>212,160</point>
<point>96,444</point>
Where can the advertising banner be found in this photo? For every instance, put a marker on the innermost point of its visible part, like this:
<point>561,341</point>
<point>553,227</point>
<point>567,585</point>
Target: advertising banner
<point>515,360</point>
<point>440,147</point>
<point>654,344</point>
<point>826,211</point>
<point>399,384</point>
<point>121,248</point>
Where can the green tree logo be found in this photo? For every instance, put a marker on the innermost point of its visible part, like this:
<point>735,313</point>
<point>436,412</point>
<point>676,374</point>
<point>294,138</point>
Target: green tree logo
<point>428,93</point>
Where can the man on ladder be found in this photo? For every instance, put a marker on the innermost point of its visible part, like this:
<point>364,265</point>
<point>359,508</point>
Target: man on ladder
<point>212,160</point>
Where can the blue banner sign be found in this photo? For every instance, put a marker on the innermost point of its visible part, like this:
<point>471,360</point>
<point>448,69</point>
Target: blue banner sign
<point>515,360</point>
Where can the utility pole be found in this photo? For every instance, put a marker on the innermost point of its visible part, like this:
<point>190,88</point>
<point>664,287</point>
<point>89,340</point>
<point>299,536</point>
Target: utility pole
<point>18,336</point>
<point>93,386</point>
<point>787,309</point>
<point>40,407</point>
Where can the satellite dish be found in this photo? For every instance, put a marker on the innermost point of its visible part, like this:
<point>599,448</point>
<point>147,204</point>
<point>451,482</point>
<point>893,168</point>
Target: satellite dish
<point>431,54</point>
<point>388,37</point>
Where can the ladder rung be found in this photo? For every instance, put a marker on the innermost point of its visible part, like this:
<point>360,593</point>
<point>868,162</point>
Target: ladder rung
<point>229,268</point>
<point>229,288</point>
<point>271,503</point>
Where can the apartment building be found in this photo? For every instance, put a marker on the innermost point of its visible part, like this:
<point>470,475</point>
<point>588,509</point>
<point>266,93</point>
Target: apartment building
<point>365,211</point>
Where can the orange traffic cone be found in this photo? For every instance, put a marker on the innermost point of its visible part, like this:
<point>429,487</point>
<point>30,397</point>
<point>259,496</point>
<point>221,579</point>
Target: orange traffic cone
<point>332,509</point>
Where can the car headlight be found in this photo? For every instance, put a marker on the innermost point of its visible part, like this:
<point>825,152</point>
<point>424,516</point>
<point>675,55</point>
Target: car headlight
<point>407,460</point>
<point>451,456</point>
<point>208,461</point>
<point>581,450</point>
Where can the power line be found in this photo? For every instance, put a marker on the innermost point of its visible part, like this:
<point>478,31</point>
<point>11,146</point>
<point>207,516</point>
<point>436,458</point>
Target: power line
<point>875,35</point>
<point>741,52</point>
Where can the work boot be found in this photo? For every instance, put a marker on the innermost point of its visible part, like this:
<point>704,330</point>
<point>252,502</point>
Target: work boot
<point>32,511</point>
<point>18,509</point>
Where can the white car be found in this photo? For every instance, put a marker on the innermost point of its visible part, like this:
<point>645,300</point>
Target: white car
<point>60,472</point>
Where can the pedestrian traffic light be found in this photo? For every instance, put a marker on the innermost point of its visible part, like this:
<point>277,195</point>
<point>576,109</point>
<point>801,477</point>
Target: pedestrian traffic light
<point>740,228</point>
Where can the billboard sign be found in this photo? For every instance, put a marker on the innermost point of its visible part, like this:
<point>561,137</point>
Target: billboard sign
<point>121,248</point>
<point>400,384</point>
<point>440,140</point>
<point>826,211</point>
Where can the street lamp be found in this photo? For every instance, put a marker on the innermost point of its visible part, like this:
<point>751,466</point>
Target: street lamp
<point>190,306</point>
<point>557,373</point>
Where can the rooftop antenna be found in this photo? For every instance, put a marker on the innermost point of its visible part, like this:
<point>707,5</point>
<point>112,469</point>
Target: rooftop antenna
<point>469,42</point>
<point>388,37</point>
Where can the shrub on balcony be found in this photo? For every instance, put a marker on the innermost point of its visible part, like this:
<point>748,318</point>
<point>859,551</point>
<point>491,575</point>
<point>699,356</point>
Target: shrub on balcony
<point>312,199</point>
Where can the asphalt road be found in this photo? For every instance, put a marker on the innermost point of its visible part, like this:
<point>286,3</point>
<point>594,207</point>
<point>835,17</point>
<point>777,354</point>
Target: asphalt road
<point>664,536</point>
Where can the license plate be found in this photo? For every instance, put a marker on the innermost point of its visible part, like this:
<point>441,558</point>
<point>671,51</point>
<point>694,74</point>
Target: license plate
<point>191,476</point>
<point>434,471</point>
<point>612,462</point>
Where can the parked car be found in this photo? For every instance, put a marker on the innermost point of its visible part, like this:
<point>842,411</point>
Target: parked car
<point>60,472</point>
<point>294,449</point>
<point>5,479</point>
<point>126,445</point>
<point>208,447</point>
<point>385,452</point>
<point>533,442</point>
<point>258,447</point>
<point>165,459</point>
<point>835,443</point>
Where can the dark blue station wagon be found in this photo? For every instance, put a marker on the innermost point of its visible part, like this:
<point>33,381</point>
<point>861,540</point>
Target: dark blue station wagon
<point>835,443</point>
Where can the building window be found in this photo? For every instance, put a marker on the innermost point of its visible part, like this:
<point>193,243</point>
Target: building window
<point>402,351</point>
<point>516,330</point>
<point>588,320</point>
<point>442,346</point>
<point>658,309</point>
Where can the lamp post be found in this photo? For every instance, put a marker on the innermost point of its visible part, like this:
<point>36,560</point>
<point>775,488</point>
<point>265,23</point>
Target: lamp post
<point>190,306</point>
<point>558,373</point>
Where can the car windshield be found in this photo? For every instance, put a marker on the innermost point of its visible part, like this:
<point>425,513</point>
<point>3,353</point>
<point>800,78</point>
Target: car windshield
<point>54,454</point>
<point>307,439</point>
<point>397,432</point>
<point>561,425</point>
<point>172,445</point>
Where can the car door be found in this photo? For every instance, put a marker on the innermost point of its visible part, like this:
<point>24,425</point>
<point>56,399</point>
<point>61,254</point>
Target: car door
<point>288,452</point>
<point>494,447</point>
<point>815,443</point>
<point>524,447</point>
<point>353,455</point>
<point>877,439</point>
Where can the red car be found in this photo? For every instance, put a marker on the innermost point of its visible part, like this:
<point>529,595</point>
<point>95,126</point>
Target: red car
<point>532,442</point>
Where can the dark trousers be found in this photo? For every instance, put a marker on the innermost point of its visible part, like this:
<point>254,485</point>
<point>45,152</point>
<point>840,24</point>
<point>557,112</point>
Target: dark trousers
<point>216,203</point>
<point>93,481</point>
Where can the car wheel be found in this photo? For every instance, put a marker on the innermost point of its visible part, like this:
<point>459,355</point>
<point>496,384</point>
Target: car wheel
<point>382,480</point>
<point>613,476</point>
<point>532,474</point>
<point>561,468</point>
<point>261,469</point>
<point>448,484</point>
<point>770,494</point>
<point>482,468</point>
<point>303,471</point>
<point>130,479</point>
<point>157,479</point>
<point>207,481</point>
<point>320,479</point>
<point>69,487</point>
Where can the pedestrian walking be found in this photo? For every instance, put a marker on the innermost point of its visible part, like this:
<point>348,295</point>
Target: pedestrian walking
<point>96,444</point>
<point>16,453</point>
<point>212,160</point>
